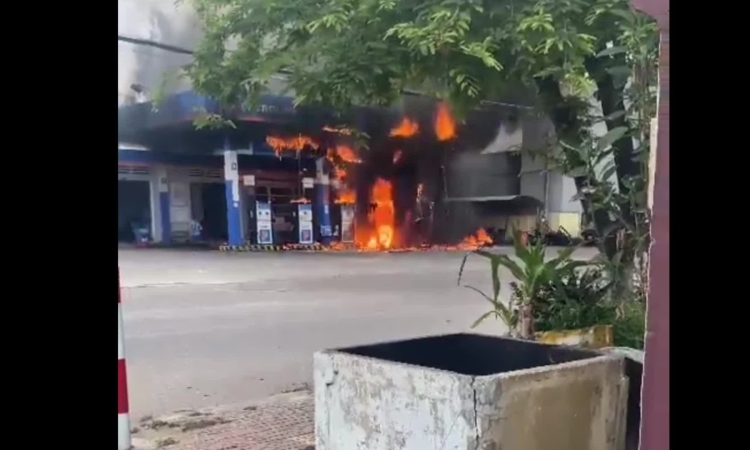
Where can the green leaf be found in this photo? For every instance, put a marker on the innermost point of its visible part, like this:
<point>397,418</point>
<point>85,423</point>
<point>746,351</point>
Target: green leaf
<point>610,138</point>
<point>577,172</point>
<point>479,291</point>
<point>494,264</point>
<point>625,14</point>
<point>514,268</point>
<point>620,71</point>
<point>504,313</point>
<point>615,115</point>
<point>522,252</point>
<point>564,254</point>
<point>482,318</point>
<point>461,269</point>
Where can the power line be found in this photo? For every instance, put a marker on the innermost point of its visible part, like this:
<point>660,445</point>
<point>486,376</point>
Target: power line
<point>159,45</point>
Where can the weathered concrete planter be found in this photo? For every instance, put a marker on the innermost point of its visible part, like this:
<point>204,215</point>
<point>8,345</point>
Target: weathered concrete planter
<point>598,336</point>
<point>468,391</point>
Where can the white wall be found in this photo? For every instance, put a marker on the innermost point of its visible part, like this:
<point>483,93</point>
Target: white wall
<point>162,21</point>
<point>560,192</point>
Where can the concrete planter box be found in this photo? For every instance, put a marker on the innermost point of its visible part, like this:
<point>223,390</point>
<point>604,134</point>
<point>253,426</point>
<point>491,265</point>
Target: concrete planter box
<point>471,392</point>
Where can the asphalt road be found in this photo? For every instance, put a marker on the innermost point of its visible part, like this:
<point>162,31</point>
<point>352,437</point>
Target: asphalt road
<point>206,328</point>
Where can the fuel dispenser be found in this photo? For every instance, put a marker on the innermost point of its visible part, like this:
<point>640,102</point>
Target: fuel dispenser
<point>263,223</point>
<point>252,210</point>
<point>347,223</point>
<point>305,223</point>
<point>343,216</point>
<point>305,227</point>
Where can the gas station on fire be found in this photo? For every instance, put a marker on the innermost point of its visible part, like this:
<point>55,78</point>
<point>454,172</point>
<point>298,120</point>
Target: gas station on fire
<point>285,175</point>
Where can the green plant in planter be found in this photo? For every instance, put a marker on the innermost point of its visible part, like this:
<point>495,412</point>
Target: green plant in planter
<point>582,299</point>
<point>532,275</point>
<point>575,299</point>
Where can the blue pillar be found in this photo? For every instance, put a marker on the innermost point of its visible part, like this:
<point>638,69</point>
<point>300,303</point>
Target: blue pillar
<point>166,221</point>
<point>232,184</point>
<point>323,200</point>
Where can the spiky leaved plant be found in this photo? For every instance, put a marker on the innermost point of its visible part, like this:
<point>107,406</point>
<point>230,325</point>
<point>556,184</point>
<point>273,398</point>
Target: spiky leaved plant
<point>532,275</point>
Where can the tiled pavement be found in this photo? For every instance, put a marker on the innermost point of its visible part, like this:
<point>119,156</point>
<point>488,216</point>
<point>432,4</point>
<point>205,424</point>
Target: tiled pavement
<point>283,423</point>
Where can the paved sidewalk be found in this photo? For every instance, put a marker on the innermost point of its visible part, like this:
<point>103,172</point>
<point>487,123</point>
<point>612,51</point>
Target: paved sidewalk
<point>283,422</point>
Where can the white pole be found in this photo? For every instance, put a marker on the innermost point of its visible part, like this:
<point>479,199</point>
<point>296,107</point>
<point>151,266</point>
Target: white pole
<point>123,409</point>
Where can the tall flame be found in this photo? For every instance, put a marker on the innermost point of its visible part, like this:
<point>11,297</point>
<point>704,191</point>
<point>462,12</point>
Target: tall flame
<point>338,156</point>
<point>379,234</point>
<point>405,128</point>
<point>445,126</point>
<point>397,156</point>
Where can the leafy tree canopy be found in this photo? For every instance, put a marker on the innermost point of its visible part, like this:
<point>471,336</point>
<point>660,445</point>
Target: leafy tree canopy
<point>343,52</point>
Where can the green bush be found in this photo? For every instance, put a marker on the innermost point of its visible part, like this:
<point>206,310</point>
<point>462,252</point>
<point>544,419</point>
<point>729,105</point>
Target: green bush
<point>579,299</point>
<point>630,328</point>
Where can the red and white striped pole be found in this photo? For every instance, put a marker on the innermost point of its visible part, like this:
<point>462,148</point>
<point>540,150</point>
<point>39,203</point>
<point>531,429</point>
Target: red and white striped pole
<point>123,409</point>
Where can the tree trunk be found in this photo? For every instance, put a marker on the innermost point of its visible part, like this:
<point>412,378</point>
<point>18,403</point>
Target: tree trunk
<point>525,322</point>
<point>612,98</point>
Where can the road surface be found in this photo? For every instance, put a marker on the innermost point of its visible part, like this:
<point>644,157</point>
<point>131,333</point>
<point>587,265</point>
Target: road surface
<point>205,328</point>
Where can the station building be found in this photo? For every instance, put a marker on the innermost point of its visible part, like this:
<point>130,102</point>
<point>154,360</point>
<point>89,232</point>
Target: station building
<point>185,184</point>
<point>178,183</point>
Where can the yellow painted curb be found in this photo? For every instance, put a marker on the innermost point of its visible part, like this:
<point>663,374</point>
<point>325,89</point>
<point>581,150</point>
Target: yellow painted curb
<point>598,336</point>
<point>251,248</point>
<point>304,247</point>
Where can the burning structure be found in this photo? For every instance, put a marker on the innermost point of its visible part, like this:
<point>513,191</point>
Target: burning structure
<point>400,193</point>
<point>423,180</point>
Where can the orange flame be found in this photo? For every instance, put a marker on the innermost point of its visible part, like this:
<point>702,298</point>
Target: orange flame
<point>300,200</point>
<point>338,156</point>
<point>445,126</point>
<point>476,240</point>
<point>346,196</point>
<point>406,128</point>
<point>380,234</point>
<point>347,154</point>
<point>397,156</point>
<point>339,173</point>
<point>368,239</point>
<point>279,144</point>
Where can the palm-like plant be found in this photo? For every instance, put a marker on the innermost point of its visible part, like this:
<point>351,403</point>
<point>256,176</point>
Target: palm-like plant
<point>532,274</point>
